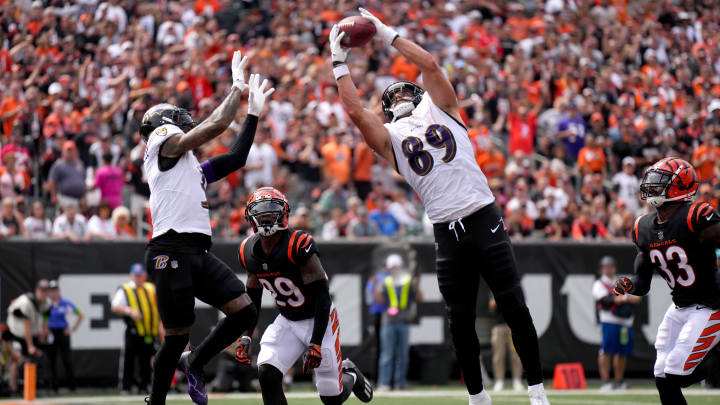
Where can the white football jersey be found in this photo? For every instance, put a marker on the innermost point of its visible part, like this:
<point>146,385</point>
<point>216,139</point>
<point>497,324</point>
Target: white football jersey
<point>177,196</point>
<point>434,154</point>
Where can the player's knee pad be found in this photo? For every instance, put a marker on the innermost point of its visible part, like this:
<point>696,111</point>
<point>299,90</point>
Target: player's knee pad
<point>270,377</point>
<point>334,400</point>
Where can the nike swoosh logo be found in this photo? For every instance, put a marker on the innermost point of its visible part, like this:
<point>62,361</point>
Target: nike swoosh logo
<point>709,216</point>
<point>308,249</point>
<point>493,230</point>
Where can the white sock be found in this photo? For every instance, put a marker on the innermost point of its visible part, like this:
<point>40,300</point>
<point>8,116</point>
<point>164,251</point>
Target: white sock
<point>536,388</point>
<point>479,398</point>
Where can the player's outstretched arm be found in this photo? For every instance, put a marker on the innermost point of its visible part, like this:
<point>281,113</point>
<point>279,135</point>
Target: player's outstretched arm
<point>372,129</point>
<point>220,166</point>
<point>217,122</point>
<point>434,80</point>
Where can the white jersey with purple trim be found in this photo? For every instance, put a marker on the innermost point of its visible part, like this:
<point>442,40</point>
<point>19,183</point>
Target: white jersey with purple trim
<point>434,153</point>
<point>177,195</point>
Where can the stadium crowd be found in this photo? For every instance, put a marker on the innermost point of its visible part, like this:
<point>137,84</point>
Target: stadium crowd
<point>566,100</point>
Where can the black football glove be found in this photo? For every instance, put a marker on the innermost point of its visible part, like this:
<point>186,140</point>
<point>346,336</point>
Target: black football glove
<point>243,350</point>
<point>312,358</point>
<point>623,286</point>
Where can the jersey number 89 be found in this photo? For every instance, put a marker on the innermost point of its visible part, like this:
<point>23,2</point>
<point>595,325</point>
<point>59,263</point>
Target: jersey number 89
<point>287,288</point>
<point>420,160</point>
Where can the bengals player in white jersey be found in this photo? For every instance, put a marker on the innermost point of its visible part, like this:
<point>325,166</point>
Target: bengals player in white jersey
<point>178,256</point>
<point>429,145</point>
<point>678,241</point>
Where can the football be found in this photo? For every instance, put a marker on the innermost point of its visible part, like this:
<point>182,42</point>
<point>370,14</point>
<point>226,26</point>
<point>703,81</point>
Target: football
<point>358,31</point>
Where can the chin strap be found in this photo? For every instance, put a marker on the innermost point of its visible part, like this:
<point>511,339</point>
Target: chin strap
<point>402,109</point>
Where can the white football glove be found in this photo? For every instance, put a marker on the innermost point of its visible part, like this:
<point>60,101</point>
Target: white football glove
<point>387,34</point>
<point>238,71</point>
<point>258,95</point>
<point>338,52</point>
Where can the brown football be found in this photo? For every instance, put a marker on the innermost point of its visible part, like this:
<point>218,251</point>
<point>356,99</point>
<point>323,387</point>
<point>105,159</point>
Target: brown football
<point>358,31</point>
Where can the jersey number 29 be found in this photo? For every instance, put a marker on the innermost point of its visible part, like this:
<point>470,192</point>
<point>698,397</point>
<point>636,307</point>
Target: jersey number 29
<point>420,160</point>
<point>672,253</point>
<point>287,288</point>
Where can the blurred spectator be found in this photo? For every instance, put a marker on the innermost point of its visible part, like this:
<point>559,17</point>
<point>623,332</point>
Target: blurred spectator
<point>37,225</point>
<point>501,342</point>
<point>400,293</point>
<point>385,221</point>
<point>362,226</point>
<point>12,224</point>
<point>363,160</point>
<point>14,180</point>
<point>591,157</point>
<point>337,157</point>
<point>571,130</point>
<point>707,157</point>
<point>109,179</point>
<point>101,225</point>
<point>66,183</point>
<point>585,227</point>
<point>261,163</point>
<point>333,228</point>
<point>627,185</point>
<point>61,331</point>
<point>121,220</point>
<point>70,224</point>
<point>616,319</point>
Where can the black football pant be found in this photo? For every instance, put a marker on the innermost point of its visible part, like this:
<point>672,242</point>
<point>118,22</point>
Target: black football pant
<point>470,248</point>
<point>61,347</point>
<point>137,357</point>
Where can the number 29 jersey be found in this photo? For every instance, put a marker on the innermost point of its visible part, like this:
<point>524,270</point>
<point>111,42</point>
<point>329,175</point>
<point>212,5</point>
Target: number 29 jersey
<point>434,154</point>
<point>279,272</point>
<point>674,248</point>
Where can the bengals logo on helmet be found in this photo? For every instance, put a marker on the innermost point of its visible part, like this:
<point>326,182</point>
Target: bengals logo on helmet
<point>670,179</point>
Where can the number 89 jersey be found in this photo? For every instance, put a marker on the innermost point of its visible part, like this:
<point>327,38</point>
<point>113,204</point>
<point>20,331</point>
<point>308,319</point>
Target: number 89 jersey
<point>279,272</point>
<point>674,248</point>
<point>434,154</point>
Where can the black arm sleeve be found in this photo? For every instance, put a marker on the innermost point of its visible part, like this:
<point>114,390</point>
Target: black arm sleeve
<point>643,275</point>
<point>320,290</point>
<point>256,298</point>
<point>220,166</point>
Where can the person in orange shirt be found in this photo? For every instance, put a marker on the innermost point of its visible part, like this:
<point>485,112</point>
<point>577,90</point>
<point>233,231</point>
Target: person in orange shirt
<point>206,7</point>
<point>591,158</point>
<point>491,161</point>
<point>337,157</point>
<point>10,108</point>
<point>706,156</point>
<point>404,70</point>
<point>364,159</point>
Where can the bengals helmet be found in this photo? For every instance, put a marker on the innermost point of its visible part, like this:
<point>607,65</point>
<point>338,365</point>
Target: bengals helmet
<point>670,179</point>
<point>267,210</point>
<point>163,114</point>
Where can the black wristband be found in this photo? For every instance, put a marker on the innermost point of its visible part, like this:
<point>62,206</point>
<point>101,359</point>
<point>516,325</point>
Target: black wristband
<point>393,40</point>
<point>336,64</point>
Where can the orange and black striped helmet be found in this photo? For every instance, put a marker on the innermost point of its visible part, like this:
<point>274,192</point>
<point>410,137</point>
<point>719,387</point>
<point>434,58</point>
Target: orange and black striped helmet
<point>670,179</point>
<point>267,210</point>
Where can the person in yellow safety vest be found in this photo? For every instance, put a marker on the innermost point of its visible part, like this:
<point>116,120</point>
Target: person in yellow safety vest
<point>400,292</point>
<point>136,302</point>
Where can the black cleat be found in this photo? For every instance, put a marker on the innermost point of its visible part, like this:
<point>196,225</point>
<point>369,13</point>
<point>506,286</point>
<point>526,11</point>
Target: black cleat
<point>362,388</point>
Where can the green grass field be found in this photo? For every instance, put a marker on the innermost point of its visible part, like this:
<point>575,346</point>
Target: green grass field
<point>429,397</point>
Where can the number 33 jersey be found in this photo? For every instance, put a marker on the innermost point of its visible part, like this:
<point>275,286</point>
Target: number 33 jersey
<point>674,248</point>
<point>279,272</point>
